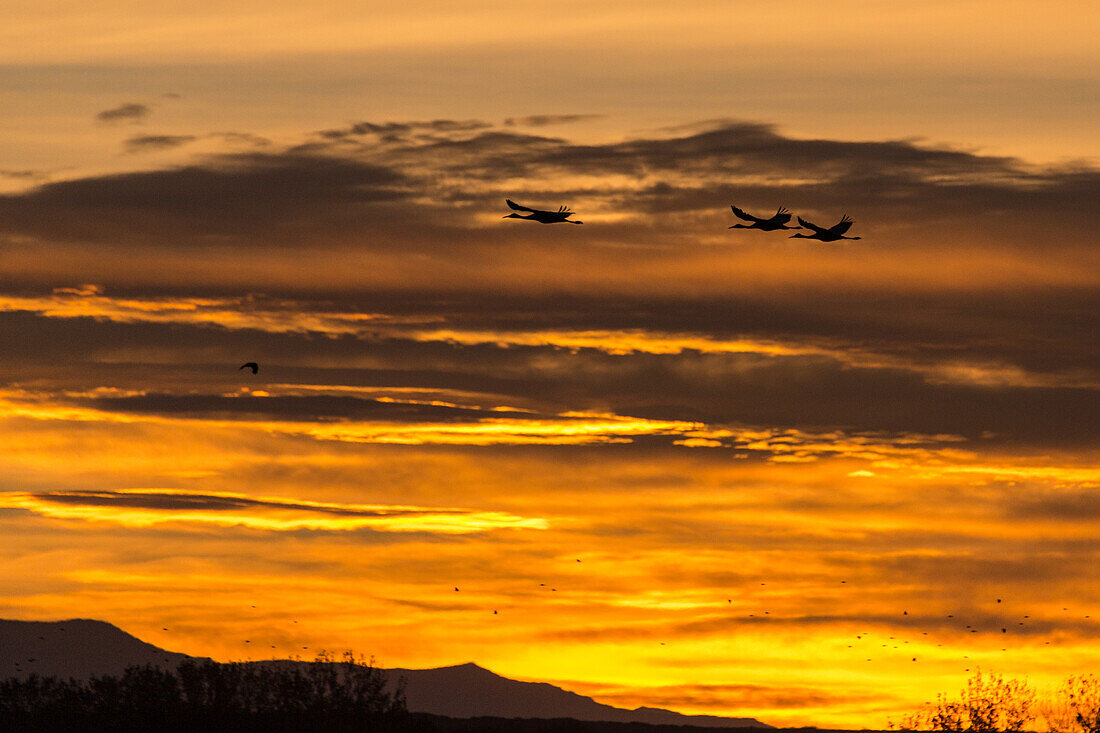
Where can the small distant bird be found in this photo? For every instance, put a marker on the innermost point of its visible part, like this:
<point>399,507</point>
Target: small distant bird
<point>250,365</point>
<point>778,221</point>
<point>456,589</point>
<point>821,234</point>
<point>543,217</point>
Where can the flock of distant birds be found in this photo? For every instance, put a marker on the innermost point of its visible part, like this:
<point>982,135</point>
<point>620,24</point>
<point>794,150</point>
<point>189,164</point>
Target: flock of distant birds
<point>866,637</point>
<point>779,220</point>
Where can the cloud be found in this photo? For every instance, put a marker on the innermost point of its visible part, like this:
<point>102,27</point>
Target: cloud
<point>390,421</point>
<point>435,182</point>
<point>142,143</point>
<point>671,189</point>
<point>543,120</point>
<point>389,234</point>
<point>244,138</point>
<point>303,407</point>
<point>148,507</point>
<point>238,195</point>
<point>130,112</point>
<point>720,697</point>
<point>393,132</point>
<point>866,380</point>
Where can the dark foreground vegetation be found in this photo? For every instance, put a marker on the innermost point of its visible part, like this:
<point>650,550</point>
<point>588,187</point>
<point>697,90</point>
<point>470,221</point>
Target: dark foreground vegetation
<point>323,695</point>
<point>993,704</point>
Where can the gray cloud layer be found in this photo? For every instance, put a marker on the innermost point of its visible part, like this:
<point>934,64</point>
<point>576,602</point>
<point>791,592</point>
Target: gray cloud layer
<point>1013,358</point>
<point>160,501</point>
<point>140,143</point>
<point>436,177</point>
<point>130,112</point>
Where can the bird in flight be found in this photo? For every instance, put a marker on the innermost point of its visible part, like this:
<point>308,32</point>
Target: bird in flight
<point>250,365</point>
<point>821,234</point>
<point>779,221</point>
<point>543,217</point>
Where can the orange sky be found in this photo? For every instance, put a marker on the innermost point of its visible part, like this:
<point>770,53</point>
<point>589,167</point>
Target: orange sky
<point>718,471</point>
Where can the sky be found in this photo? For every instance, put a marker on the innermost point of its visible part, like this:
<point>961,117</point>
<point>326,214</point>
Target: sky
<point>649,459</point>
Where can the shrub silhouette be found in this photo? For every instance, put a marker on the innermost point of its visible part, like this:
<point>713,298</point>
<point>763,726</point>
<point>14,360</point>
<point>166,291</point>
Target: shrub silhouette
<point>1076,708</point>
<point>326,694</point>
<point>988,704</point>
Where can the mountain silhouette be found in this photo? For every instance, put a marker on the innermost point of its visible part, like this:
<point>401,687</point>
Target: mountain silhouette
<point>470,691</point>
<point>81,648</point>
<point>76,648</point>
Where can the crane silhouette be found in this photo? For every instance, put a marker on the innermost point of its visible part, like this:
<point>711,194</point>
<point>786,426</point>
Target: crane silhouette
<point>542,217</point>
<point>779,221</point>
<point>250,365</point>
<point>821,234</point>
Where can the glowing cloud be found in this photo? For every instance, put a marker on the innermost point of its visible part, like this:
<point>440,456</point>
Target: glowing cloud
<point>148,507</point>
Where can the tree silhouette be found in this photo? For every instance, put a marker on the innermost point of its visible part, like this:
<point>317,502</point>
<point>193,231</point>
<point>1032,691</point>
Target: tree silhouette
<point>327,694</point>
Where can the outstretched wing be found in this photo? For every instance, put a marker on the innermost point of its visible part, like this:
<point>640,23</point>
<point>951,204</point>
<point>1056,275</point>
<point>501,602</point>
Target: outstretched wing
<point>516,207</point>
<point>744,215</point>
<point>811,225</point>
<point>841,226</point>
<point>782,216</point>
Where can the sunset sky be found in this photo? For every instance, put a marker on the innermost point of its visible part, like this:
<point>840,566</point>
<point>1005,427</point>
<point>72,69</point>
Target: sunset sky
<point>720,471</point>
